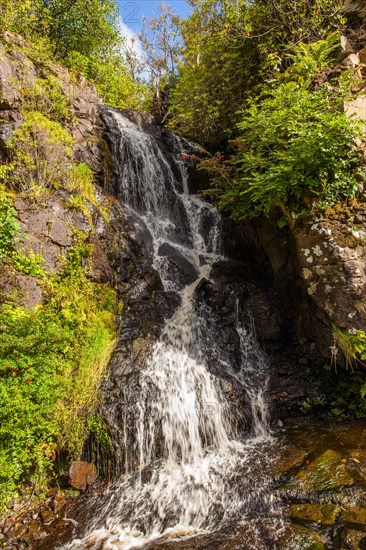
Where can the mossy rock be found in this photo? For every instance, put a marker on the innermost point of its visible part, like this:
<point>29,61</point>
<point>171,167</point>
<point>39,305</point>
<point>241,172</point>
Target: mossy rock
<point>355,516</point>
<point>326,514</point>
<point>325,473</point>
<point>298,537</point>
<point>290,457</point>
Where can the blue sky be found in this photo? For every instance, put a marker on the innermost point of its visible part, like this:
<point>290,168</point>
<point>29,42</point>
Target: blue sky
<point>132,11</point>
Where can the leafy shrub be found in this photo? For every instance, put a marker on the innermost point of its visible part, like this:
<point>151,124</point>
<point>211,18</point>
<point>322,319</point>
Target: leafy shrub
<point>341,393</point>
<point>297,148</point>
<point>352,346</point>
<point>28,263</point>
<point>87,26</point>
<point>231,50</point>
<point>40,154</point>
<point>46,96</point>
<point>20,16</point>
<point>81,182</point>
<point>110,77</point>
<point>52,360</point>
<point>310,60</point>
<point>9,227</point>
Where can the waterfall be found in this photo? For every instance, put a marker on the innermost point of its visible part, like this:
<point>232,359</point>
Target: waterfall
<point>190,469</point>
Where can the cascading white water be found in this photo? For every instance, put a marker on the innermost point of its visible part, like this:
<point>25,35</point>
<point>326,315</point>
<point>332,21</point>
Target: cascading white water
<point>200,471</point>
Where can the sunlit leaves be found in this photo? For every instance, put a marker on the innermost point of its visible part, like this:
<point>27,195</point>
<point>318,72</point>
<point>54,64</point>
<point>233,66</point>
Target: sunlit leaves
<point>297,149</point>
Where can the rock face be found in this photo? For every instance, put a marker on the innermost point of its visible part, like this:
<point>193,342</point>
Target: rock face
<point>18,77</point>
<point>356,13</point>
<point>331,254</point>
<point>47,226</point>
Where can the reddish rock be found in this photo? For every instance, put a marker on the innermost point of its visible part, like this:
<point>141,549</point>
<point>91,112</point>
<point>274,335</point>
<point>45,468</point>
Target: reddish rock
<point>58,502</point>
<point>281,395</point>
<point>82,474</point>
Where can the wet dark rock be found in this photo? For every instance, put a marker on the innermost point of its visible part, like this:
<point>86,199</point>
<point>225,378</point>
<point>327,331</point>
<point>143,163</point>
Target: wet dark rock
<point>180,270</point>
<point>268,320</point>
<point>229,272</point>
<point>326,514</point>
<point>355,516</point>
<point>52,492</point>
<point>302,537</point>
<point>47,516</point>
<point>36,530</point>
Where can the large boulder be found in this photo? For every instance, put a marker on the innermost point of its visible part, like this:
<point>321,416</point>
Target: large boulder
<point>82,475</point>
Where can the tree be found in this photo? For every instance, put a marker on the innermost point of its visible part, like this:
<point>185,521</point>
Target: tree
<point>135,62</point>
<point>89,27</point>
<point>162,53</point>
<point>231,49</point>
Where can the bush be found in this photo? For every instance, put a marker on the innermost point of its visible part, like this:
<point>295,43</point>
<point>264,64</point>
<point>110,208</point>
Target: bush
<point>81,182</point>
<point>297,148</point>
<point>52,361</point>
<point>9,227</point>
<point>28,263</point>
<point>230,51</point>
<point>46,96</point>
<point>352,346</point>
<point>110,77</point>
<point>40,154</point>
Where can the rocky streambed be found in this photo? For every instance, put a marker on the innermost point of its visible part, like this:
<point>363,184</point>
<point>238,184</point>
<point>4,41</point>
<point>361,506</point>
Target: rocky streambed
<point>319,477</point>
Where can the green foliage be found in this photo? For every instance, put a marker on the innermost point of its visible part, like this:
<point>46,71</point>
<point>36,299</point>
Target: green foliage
<point>214,77</point>
<point>340,393</point>
<point>39,153</point>
<point>87,26</point>
<point>297,148</point>
<point>20,16</point>
<point>28,263</point>
<point>84,35</point>
<point>111,78</point>
<point>81,181</point>
<point>46,96</point>
<point>52,360</point>
<point>81,184</point>
<point>352,346</point>
<point>310,60</point>
<point>231,49</point>
<point>9,227</point>
<point>98,429</point>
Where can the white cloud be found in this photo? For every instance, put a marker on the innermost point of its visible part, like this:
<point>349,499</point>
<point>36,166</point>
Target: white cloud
<point>132,39</point>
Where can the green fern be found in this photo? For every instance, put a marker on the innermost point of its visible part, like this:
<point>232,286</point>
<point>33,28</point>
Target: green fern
<point>310,60</point>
